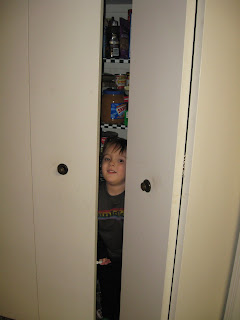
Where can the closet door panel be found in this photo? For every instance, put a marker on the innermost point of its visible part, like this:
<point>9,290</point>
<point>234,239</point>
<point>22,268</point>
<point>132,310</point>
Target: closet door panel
<point>64,82</point>
<point>161,56</point>
<point>18,289</point>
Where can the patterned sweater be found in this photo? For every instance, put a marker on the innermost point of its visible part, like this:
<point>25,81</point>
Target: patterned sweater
<point>110,224</point>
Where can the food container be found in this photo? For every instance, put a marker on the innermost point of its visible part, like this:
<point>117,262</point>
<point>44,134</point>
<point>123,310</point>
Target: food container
<point>113,107</point>
<point>126,99</point>
<point>126,90</point>
<point>120,80</point>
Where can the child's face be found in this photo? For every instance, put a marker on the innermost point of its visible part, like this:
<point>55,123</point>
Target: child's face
<point>114,166</point>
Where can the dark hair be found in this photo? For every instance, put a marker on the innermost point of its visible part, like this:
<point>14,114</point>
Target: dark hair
<point>118,143</point>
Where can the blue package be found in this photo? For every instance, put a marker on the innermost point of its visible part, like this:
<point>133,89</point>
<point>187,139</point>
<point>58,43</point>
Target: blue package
<point>118,110</point>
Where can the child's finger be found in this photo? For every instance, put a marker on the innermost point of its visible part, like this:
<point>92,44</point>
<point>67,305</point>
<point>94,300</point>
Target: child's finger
<point>104,261</point>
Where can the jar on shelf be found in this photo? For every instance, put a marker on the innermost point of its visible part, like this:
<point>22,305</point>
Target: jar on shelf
<point>113,107</point>
<point>120,81</point>
<point>114,40</point>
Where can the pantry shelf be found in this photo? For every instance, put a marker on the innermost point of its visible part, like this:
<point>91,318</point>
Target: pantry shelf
<point>116,60</point>
<point>113,126</point>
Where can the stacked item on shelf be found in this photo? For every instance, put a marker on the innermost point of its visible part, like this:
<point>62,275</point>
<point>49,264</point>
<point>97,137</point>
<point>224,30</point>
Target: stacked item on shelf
<point>116,38</point>
<point>114,104</point>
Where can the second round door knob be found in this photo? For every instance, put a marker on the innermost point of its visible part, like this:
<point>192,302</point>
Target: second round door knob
<point>146,185</point>
<point>62,169</point>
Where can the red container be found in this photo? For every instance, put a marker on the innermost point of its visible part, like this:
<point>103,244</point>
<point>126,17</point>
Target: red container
<point>120,80</point>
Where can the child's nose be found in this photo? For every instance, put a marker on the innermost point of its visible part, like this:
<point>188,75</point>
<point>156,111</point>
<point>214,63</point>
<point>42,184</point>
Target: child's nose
<point>112,162</point>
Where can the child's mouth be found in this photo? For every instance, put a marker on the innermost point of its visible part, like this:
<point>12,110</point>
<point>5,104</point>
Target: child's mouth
<point>111,171</point>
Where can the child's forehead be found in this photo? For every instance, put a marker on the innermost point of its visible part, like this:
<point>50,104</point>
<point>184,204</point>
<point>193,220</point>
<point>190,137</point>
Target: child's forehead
<point>114,149</point>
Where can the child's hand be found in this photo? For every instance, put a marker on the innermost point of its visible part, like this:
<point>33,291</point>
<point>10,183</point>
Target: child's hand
<point>105,261</point>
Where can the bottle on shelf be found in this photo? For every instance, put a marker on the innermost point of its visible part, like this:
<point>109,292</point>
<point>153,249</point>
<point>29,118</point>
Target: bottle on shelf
<point>114,40</point>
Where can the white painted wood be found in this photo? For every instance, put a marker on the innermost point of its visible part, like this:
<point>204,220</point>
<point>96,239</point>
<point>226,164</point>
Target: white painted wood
<point>64,55</point>
<point>50,85</point>
<point>65,238</point>
<point>157,115</point>
<point>18,289</point>
<point>232,311</point>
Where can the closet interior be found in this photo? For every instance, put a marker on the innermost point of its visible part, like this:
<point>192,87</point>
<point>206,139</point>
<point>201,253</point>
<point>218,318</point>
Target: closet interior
<point>116,53</point>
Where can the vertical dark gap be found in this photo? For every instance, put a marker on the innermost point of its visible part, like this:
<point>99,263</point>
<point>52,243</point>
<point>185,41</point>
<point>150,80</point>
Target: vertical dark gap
<point>185,149</point>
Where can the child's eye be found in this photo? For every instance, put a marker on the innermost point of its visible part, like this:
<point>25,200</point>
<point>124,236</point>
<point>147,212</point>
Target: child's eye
<point>106,159</point>
<point>121,160</point>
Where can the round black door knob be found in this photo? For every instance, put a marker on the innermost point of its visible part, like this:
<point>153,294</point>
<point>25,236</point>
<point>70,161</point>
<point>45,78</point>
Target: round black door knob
<point>62,168</point>
<point>146,186</point>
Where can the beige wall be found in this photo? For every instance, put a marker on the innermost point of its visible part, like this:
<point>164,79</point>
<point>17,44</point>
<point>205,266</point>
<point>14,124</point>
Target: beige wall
<point>213,208</point>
